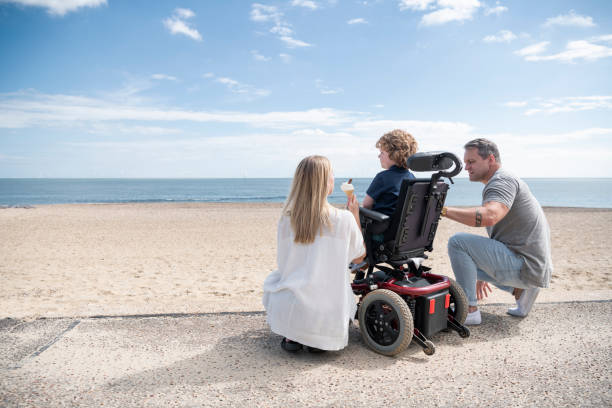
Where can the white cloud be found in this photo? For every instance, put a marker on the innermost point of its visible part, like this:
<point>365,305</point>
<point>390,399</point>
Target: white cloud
<point>258,57</point>
<point>429,134</point>
<point>270,14</point>
<point>184,13</point>
<point>281,29</point>
<point>574,50</point>
<point>532,49</point>
<point>571,104</point>
<point>548,139</point>
<point>176,24</point>
<point>58,7</point>
<point>570,20</point>
<point>114,128</point>
<point>602,38</point>
<point>497,10</point>
<point>415,4</point>
<point>503,36</point>
<point>163,77</point>
<point>263,13</point>
<point>442,11</point>
<point>33,109</point>
<point>249,92</point>
<point>516,104</point>
<point>352,153</point>
<point>209,155</point>
<point>305,3</point>
<point>357,21</point>
<point>346,137</point>
<point>293,43</point>
<point>325,90</point>
<point>451,10</point>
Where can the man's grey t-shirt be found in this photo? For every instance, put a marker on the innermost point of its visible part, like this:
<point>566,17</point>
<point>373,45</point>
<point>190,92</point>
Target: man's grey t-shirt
<point>524,230</point>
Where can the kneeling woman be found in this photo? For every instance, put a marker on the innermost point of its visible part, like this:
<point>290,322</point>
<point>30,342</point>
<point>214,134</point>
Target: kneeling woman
<point>309,300</point>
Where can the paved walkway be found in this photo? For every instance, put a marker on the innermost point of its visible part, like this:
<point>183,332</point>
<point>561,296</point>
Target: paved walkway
<point>560,355</point>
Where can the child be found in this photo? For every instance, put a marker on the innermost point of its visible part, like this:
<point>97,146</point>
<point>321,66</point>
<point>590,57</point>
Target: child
<point>308,299</point>
<point>395,148</point>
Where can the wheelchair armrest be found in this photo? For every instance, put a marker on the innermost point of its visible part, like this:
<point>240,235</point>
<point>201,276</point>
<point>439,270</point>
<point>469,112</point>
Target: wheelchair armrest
<point>373,215</point>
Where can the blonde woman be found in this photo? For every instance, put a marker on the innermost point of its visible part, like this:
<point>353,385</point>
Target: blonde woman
<point>308,299</point>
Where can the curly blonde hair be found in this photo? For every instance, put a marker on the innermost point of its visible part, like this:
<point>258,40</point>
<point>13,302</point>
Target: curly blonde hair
<point>399,144</point>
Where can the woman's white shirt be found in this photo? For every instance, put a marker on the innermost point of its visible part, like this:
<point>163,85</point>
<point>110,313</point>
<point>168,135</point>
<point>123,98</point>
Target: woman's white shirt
<point>308,299</point>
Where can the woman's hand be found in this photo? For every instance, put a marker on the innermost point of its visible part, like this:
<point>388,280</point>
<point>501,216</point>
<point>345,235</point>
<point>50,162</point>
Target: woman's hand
<point>353,206</point>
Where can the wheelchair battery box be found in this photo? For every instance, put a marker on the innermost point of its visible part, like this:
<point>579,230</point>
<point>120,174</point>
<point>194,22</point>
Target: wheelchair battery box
<point>432,312</point>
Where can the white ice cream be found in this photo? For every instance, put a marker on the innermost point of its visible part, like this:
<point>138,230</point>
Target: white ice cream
<point>347,188</point>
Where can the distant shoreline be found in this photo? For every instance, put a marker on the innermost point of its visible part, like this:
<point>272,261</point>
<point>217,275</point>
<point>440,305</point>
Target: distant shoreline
<point>249,204</point>
<point>580,193</point>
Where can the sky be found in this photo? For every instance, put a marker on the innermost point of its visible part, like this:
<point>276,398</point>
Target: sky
<point>232,88</point>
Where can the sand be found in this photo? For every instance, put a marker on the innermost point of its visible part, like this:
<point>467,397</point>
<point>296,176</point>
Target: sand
<point>125,259</point>
<point>160,305</point>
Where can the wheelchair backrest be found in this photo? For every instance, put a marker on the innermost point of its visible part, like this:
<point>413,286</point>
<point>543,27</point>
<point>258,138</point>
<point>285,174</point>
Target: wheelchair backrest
<point>414,223</point>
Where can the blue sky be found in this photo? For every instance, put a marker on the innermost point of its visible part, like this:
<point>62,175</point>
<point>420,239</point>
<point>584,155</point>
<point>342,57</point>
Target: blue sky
<point>104,88</point>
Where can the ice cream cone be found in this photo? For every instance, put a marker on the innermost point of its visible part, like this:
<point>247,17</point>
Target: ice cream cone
<point>348,188</point>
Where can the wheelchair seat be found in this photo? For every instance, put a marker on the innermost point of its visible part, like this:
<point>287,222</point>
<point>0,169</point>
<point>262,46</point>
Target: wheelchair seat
<point>410,231</point>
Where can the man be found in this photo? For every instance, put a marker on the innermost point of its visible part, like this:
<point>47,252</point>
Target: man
<point>516,256</point>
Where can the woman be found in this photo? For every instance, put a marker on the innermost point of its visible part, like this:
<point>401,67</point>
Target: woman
<point>308,299</point>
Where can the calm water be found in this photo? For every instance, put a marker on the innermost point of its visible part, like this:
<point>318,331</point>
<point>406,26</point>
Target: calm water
<point>571,192</point>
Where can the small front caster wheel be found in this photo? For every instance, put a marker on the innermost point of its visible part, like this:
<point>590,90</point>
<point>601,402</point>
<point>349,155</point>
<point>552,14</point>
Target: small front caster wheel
<point>429,348</point>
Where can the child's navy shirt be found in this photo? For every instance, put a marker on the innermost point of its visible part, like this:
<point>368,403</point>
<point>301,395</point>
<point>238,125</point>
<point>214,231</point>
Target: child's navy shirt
<point>385,188</point>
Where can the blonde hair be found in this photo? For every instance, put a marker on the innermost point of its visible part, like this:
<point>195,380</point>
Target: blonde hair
<point>307,205</point>
<point>399,144</point>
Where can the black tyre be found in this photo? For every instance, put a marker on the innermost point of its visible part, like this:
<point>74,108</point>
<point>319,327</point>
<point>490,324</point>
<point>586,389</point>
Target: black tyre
<point>385,322</point>
<point>458,307</point>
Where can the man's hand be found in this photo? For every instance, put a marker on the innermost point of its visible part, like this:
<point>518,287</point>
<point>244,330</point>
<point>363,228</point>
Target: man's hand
<point>481,289</point>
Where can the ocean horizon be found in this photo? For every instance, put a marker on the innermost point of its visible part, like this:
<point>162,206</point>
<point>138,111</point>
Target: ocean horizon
<point>15,192</point>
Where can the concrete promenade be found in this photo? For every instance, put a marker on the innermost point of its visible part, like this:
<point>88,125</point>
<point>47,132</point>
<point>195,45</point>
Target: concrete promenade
<point>561,355</point>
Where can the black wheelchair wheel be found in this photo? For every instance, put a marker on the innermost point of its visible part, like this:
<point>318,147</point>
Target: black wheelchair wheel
<point>458,307</point>
<point>385,322</point>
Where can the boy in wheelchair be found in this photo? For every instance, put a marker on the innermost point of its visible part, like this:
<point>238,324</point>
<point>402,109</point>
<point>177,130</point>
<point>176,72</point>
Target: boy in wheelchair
<point>395,148</point>
<point>382,194</point>
<point>402,300</point>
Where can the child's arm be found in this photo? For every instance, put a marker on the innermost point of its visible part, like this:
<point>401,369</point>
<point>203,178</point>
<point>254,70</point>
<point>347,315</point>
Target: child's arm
<point>368,202</point>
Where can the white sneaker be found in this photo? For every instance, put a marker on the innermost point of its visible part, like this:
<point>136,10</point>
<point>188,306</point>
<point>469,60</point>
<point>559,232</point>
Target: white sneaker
<point>473,318</point>
<point>525,302</point>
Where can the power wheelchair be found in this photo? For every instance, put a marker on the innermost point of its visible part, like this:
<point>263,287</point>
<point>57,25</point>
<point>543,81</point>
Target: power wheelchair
<point>401,299</point>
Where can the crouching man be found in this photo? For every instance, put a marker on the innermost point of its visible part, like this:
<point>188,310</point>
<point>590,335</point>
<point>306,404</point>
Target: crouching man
<point>516,256</point>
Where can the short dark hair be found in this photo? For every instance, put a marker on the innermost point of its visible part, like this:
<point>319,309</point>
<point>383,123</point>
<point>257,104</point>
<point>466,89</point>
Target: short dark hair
<point>485,148</point>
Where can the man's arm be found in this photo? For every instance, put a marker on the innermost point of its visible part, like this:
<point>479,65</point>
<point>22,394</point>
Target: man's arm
<point>485,216</point>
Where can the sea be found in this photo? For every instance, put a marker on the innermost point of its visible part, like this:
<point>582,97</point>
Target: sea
<point>21,192</point>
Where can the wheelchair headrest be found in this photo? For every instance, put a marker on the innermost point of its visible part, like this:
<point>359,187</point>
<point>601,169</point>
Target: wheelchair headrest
<point>435,161</point>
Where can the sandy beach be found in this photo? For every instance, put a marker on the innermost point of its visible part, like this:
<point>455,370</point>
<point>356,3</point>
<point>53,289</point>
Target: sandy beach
<point>160,305</point>
<point>124,259</point>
